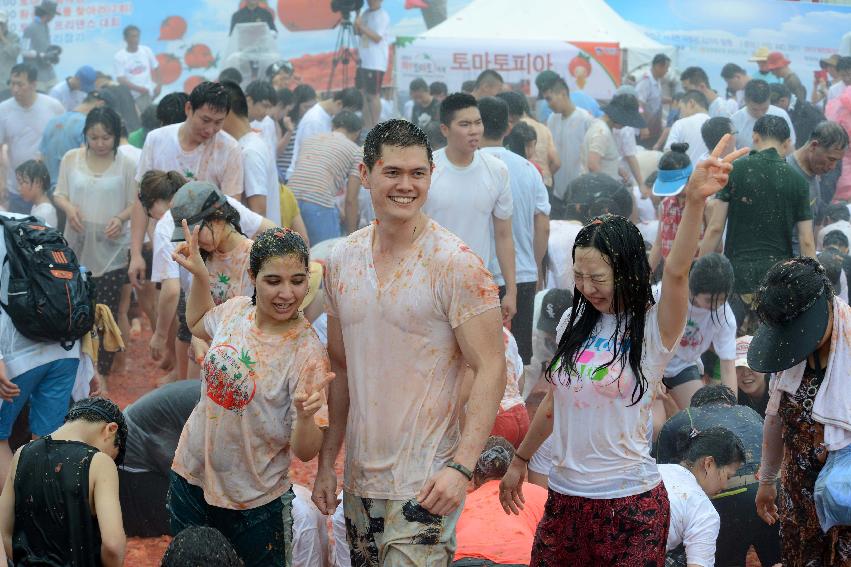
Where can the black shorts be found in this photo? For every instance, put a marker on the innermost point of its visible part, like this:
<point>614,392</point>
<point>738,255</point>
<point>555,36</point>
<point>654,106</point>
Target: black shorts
<point>521,324</point>
<point>369,80</point>
<point>143,507</point>
<point>687,375</point>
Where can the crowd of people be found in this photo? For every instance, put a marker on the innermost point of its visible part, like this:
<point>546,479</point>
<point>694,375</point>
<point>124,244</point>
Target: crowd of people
<point>665,275</point>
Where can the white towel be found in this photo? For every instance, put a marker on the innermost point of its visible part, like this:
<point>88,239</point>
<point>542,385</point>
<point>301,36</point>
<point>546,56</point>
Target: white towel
<point>832,406</point>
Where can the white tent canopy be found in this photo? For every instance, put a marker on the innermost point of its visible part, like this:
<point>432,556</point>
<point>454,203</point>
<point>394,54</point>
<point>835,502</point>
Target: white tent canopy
<point>562,20</point>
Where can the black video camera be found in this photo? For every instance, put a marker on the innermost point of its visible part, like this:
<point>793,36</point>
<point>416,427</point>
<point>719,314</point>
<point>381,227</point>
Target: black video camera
<point>346,7</point>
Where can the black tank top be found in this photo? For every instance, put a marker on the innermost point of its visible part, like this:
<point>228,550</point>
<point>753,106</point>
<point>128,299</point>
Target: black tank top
<point>54,525</point>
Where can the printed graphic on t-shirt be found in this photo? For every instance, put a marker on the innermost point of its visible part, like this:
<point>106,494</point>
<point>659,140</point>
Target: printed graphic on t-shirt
<point>220,288</point>
<point>230,378</point>
<point>595,364</point>
<point>692,336</point>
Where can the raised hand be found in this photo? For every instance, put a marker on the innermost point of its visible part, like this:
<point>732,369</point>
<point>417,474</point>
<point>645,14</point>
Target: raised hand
<point>310,401</point>
<point>188,254</point>
<point>710,175</point>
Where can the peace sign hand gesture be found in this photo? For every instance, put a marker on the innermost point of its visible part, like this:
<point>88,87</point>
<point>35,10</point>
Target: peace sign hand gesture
<point>188,254</point>
<point>310,401</point>
<point>710,175</point>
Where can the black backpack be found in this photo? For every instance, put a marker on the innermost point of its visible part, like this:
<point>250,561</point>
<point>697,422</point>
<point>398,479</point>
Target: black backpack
<point>50,298</point>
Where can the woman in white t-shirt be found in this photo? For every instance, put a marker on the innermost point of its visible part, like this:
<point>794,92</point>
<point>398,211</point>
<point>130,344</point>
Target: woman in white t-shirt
<point>710,323</point>
<point>263,398</point>
<point>708,460</point>
<point>96,189</point>
<point>607,504</point>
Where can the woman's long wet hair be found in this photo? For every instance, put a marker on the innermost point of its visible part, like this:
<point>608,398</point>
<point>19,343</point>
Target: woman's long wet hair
<point>712,274</point>
<point>272,243</point>
<point>621,243</point>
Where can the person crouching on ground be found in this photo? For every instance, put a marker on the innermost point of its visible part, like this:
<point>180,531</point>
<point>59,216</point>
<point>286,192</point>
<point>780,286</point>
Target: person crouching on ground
<point>60,503</point>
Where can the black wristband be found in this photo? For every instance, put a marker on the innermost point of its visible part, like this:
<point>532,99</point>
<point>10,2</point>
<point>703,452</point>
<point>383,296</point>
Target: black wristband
<point>521,458</point>
<point>461,469</point>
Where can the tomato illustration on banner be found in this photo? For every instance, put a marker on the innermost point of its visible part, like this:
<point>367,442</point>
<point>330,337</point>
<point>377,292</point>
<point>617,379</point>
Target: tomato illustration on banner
<point>172,28</point>
<point>580,68</point>
<point>230,377</point>
<point>191,82</point>
<point>168,69</point>
<point>199,56</point>
<point>306,15</point>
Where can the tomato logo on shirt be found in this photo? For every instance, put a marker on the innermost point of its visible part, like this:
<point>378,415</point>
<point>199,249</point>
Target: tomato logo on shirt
<point>230,377</point>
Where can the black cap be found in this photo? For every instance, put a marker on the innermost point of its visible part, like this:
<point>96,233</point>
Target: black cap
<point>792,303</point>
<point>623,110</point>
<point>553,306</point>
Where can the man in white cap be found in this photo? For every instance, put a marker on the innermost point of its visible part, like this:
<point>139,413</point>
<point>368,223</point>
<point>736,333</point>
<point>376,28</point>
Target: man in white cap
<point>10,45</point>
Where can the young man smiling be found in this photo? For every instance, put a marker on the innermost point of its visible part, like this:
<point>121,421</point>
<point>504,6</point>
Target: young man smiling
<point>408,306</point>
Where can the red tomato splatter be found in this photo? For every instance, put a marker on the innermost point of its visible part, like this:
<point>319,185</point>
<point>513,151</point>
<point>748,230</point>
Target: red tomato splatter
<point>168,69</point>
<point>199,56</point>
<point>172,28</point>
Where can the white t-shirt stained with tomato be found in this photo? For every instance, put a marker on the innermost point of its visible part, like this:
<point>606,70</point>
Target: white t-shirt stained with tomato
<point>236,443</point>
<point>601,443</point>
<point>404,364</point>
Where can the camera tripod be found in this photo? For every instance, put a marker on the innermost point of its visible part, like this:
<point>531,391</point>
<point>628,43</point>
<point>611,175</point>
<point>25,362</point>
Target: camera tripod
<point>345,51</point>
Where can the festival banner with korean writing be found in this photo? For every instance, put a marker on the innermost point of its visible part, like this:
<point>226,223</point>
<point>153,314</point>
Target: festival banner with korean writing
<point>592,68</point>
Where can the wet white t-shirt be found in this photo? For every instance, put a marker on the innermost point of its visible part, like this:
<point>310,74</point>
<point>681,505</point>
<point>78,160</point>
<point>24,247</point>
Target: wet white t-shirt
<point>560,248</point>
<point>261,175</point>
<point>601,440</point>
<point>218,160</point>
<point>465,199</point>
<point>703,328</point>
<point>404,364</point>
<point>694,521</point>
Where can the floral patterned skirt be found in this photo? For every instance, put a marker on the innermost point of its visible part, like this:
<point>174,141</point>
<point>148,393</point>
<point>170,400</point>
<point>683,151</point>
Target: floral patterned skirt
<point>803,543</point>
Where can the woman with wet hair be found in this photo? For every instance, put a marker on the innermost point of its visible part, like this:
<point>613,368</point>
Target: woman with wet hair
<point>224,248</point>
<point>805,338</point>
<point>263,396</point>
<point>708,459</point>
<point>607,504</point>
<point>710,323</point>
<point>96,189</point>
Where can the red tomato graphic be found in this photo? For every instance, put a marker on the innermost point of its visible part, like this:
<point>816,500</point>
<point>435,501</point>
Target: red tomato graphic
<point>303,15</point>
<point>172,28</point>
<point>168,69</point>
<point>192,82</point>
<point>199,56</point>
<point>229,375</point>
<point>580,68</point>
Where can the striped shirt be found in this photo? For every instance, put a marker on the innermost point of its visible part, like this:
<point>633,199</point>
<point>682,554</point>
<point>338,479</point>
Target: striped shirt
<point>323,167</point>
